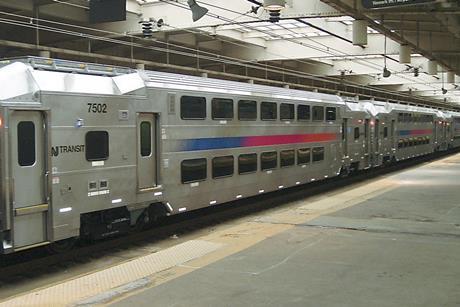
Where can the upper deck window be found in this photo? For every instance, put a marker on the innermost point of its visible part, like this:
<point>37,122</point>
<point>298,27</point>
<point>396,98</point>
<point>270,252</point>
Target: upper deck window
<point>303,112</point>
<point>286,111</point>
<point>222,108</point>
<point>331,113</point>
<point>318,113</point>
<point>247,110</point>
<point>192,107</point>
<point>268,111</point>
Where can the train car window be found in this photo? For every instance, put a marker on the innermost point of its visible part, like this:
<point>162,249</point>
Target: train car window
<point>222,108</point>
<point>193,170</point>
<point>318,113</point>
<point>268,111</point>
<point>26,143</point>
<point>356,133</point>
<point>385,132</point>
<point>97,145</point>
<point>318,154</point>
<point>247,110</point>
<point>287,158</point>
<point>303,155</point>
<point>247,163</point>
<point>303,112</point>
<point>331,113</point>
<point>146,139</point>
<point>268,160</point>
<point>286,111</point>
<point>222,166</point>
<point>192,107</point>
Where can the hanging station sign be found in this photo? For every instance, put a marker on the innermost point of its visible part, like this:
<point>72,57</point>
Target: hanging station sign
<point>376,4</point>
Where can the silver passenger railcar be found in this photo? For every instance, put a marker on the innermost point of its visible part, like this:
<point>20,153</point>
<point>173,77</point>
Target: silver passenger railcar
<point>92,150</point>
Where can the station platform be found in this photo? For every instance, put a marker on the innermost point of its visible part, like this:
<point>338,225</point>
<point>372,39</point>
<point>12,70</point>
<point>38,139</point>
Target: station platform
<point>393,241</point>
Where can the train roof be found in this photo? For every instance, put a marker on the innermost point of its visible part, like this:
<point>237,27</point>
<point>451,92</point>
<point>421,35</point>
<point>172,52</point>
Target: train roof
<point>31,74</point>
<point>193,83</point>
<point>24,81</point>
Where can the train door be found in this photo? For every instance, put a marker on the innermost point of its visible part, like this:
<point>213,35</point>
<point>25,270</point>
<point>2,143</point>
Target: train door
<point>367,142</point>
<point>444,131</point>
<point>393,132</point>
<point>366,136</point>
<point>345,137</point>
<point>377,135</point>
<point>146,151</point>
<point>435,131</point>
<point>29,175</point>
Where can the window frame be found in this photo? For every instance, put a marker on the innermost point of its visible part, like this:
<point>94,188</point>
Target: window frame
<point>293,158</point>
<point>23,145</point>
<point>142,138</point>
<point>275,108</point>
<point>183,103</point>
<point>239,113</point>
<point>308,107</point>
<point>194,180</point>
<point>313,154</point>
<point>313,114</point>
<point>261,162</point>
<point>309,156</point>
<point>356,137</point>
<point>87,147</point>
<point>256,163</point>
<point>291,106</point>
<point>217,100</point>
<point>223,176</point>
<point>327,112</point>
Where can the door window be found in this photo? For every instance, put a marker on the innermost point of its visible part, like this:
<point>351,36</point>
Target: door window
<point>26,143</point>
<point>146,139</point>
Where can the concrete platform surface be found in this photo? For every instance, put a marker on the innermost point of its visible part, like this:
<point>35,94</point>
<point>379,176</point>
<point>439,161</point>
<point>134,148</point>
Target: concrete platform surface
<point>398,247</point>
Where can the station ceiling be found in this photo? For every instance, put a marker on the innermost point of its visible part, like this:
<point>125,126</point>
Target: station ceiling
<point>309,48</point>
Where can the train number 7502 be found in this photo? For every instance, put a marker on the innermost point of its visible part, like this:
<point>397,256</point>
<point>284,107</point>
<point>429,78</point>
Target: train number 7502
<point>97,108</point>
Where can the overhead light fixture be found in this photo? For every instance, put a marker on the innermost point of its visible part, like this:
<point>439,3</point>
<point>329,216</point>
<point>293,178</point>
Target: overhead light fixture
<point>274,8</point>
<point>148,25</point>
<point>272,5</point>
<point>386,73</point>
<point>197,11</point>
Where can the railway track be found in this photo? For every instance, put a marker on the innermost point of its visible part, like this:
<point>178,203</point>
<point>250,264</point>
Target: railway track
<point>35,263</point>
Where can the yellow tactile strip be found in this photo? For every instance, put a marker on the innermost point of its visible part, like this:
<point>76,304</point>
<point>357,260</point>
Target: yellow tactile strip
<point>101,281</point>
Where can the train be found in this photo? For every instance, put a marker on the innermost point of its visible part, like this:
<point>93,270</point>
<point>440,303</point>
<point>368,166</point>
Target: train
<point>92,150</point>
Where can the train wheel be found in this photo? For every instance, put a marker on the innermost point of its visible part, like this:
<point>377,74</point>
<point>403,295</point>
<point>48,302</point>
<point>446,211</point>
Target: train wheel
<point>62,246</point>
<point>344,171</point>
